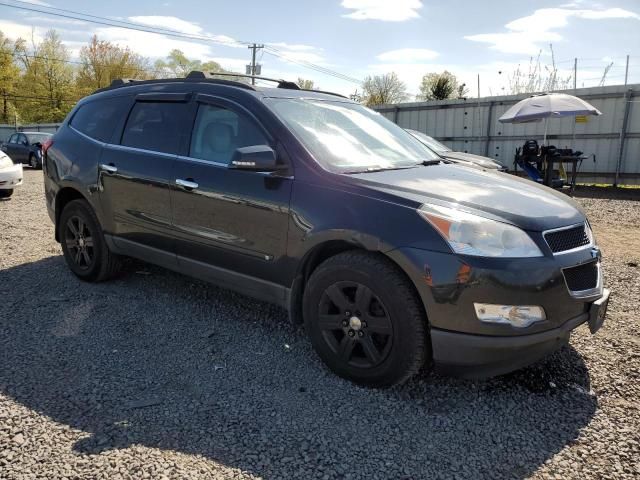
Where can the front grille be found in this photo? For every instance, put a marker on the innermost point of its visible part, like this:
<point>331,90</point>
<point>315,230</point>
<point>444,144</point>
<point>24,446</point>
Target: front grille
<point>567,239</point>
<point>582,277</point>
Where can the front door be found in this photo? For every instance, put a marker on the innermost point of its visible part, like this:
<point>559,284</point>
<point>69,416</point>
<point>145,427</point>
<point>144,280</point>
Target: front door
<point>136,172</point>
<point>228,219</point>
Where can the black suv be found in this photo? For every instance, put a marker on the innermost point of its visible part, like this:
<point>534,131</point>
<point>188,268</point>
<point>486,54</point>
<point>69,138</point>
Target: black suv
<point>392,258</point>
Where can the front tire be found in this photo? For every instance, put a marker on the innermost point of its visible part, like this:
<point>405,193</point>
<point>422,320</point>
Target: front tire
<point>365,319</point>
<point>6,193</point>
<point>83,245</point>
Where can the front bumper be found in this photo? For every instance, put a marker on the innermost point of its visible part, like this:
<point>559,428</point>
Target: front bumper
<point>11,177</point>
<point>449,285</point>
<point>480,356</point>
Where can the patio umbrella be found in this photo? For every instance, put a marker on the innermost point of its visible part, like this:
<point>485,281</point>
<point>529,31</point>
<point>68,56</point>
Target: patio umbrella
<point>549,105</point>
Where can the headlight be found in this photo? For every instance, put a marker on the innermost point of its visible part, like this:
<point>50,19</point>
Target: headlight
<point>473,235</point>
<point>5,162</point>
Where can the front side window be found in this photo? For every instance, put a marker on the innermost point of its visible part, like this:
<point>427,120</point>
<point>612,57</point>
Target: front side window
<point>218,132</point>
<point>155,126</point>
<point>348,137</point>
<point>98,119</point>
<point>430,142</point>
<point>22,140</point>
<point>13,138</point>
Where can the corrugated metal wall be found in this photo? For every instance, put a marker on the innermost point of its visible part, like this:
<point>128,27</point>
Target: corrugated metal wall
<point>7,130</point>
<point>472,126</point>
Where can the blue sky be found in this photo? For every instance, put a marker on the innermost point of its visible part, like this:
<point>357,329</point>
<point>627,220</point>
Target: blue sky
<point>367,37</point>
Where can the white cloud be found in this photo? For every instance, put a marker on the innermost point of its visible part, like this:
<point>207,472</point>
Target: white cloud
<point>299,52</point>
<point>524,35</point>
<point>14,31</point>
<point>168,22</point>
<point>407,55</point>
<point>385,10</point>
<point>151,44</point>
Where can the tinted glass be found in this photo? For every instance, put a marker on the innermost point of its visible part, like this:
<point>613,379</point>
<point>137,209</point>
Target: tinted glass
<point>219,131</point>
<point>13,138</point>
<point>38,137</point>
<point>22,140</point>
<point>99,118</point>
<point>155,126</point>
<point>348,137</point>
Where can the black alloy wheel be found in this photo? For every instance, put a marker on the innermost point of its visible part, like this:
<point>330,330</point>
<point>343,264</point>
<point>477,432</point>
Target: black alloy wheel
<point>355,325</point>
<point>79,242</point>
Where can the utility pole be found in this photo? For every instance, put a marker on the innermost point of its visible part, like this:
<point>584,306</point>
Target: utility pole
<point>575,74</point>
<point>626,71</point>
<point>253,69</point>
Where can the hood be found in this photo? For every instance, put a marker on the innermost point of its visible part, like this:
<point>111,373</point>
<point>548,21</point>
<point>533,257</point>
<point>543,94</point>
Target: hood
<point>492,194</point>
<point>484,162</point>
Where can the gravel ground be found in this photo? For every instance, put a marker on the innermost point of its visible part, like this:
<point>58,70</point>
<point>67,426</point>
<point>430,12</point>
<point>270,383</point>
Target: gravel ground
<point>156,375</point>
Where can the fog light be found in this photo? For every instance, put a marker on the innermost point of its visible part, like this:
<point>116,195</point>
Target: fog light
<point>516,315</point>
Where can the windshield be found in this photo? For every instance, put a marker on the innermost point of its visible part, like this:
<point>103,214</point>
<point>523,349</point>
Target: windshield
<point>348,137</point>
<point>430,142</point>
<point>37,137</point>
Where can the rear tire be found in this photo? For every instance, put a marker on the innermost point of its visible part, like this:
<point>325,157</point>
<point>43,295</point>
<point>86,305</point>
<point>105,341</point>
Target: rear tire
<point>83,245</point>
<point>33,162</point>
<point>365,319</point>
<point>6,193</point>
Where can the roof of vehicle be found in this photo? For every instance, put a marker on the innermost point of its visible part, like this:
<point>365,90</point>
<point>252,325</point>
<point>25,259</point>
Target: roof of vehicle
<point>284,89</point>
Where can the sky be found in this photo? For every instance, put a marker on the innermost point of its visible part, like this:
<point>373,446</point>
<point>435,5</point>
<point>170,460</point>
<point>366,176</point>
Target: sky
<point>359,38</point>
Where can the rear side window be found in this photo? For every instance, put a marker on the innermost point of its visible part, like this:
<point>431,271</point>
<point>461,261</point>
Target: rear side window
<point>219,131</point>
<point>98,119</point>
<point>155,126</point>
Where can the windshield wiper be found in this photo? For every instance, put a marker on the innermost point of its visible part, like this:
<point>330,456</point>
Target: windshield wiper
<point>427,163</point>
<point>379,169</point>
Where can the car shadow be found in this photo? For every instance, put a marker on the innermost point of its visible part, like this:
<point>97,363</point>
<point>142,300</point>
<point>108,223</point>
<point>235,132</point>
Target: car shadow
<point>146,359</point>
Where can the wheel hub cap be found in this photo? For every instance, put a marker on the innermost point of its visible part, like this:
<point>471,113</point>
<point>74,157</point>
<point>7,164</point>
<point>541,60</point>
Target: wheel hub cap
<point>355,323</point>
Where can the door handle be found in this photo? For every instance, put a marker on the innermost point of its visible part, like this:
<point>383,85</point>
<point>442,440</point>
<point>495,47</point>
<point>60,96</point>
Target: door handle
<point>108,168</point>
<point>189,184</point>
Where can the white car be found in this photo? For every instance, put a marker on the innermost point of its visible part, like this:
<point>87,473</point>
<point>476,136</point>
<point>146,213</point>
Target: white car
<point>10,175</point>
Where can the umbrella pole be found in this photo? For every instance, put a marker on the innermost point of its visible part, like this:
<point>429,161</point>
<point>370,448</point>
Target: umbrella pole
<point>544,141</point>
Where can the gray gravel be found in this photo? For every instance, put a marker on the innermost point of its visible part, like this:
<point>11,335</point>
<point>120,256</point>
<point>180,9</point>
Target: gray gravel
<point>155,374</point>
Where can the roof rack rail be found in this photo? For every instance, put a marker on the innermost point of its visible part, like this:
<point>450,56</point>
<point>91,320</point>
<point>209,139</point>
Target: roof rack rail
<point>281,83</point>
<point>118,82</point>
<point>213,77</point>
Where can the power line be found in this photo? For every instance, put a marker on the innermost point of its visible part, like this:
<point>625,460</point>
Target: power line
<point>74,15</point>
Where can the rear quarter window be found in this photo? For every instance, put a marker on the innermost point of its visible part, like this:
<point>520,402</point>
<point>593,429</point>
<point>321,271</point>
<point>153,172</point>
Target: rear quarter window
<point>99,118</point>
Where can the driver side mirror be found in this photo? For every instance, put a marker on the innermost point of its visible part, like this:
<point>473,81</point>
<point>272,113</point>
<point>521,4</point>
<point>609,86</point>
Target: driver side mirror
<point>258,158</point>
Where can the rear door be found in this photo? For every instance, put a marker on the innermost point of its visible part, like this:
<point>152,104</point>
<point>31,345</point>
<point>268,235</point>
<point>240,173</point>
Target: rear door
<point>21,149</point>
<point>229,219</point>
<point>136,173</point>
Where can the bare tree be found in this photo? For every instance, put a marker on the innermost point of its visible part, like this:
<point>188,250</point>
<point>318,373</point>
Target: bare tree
<point>305,84</point>
<point>383,89</point>
<point>440,86</point>
<point>539,77</point>
<point>103,61</point>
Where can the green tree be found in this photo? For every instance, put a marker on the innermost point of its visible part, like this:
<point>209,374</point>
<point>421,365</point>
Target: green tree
<point>305,84</point>
<point>383,89</point>
<point>440,86</point>
<point>178,65</point>
<point>9,74</point>
<point>103,61</point>
<point>48,78</point>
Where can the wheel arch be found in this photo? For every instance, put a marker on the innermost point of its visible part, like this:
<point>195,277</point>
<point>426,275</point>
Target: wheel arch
<point>323,251</point>
<point>63,197</point>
